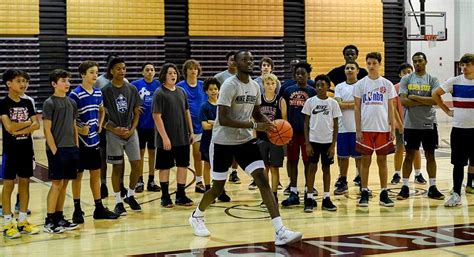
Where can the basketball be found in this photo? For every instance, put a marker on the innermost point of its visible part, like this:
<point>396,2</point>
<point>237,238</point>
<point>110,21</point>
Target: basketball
<point>283,133</point>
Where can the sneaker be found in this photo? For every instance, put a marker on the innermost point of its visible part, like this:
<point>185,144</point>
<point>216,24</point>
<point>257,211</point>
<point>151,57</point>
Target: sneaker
<point>341,189</point>
<point>10,230</point>
<point>357,180</point>
<point>469,190</point>
<point>166,201</point>
<point>280,187</point>
<point>200,188</point>
<point>140,187</point>
<point>385,200</point>
<point>17,209</point>
<point>26,227</point>
<point>224,197</point>
<point>233,178</point>
<point>395,179</point>
<point>253,186</point>
<point>434,193</point>
<point>183,201</point>
<point>293,199</point>
<point>364,199</point>
<point>52,228</point>
<point>104,191</point>
<point>78,216</point>
<point>120,209</point>
<point>285,236</point>
<point>123,191</point>
<point>287,190</point>
<point>315,192</point>
<point>134,205</point>
<point>66,224</point>
<point>338,182</point>
<point>198,225</point>
<point>153,187</point>
<point>419,179</point>
<point>101,213</point>
<point>404,193</point>
<point>327,205</point>
<point>453,201</point>
<point>309,205</point>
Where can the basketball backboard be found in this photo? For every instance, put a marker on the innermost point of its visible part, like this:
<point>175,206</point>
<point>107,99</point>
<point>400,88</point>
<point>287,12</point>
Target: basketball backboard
<point>427,26</point>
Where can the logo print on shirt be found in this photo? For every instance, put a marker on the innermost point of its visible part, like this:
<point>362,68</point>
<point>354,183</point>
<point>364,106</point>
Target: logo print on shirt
<point>145,95</point>
<point>298,98</point>
<point>19,114</point>
<point>245,99</point>
<point>122,105</point>
<point>321,109</point>
<point>374,97</point>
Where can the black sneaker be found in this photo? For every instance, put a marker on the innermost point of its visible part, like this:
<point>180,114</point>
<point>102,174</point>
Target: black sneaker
<point>419,179</point>
<point>368,191</point>
<point>183,201</point>
<point>52,228</point>
<point>357,180</point>
<point>104,191</point>
<point>66,224</point>
<point>120,209</point>
<point>315,192</point>
<point>287,190</point>
<point>385,200</point>
<point>404,193</point>
<point>341,189</point>
<point>395,179</point>
<point>233,178</point>
<point>78,216</point>
<point>293,199</point>
<point>101,213</point>
<point>309,205</point>
<point>433,193</point>
<point>166,201</point>
<point>224,197</point>
<point>153,187</point>
<point>123,191</point>
<point>338,182</point>
<point>328,205</point>
<point>200,188</point>
<point>140,187</point>
<point>364,199</point>
<point>252,186</point>
<point>134,205</point>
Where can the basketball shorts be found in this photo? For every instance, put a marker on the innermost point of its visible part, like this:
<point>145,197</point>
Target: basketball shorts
<point>293,148</point>
<point>178,156</point>
<point>321,151</point>
<point>117,145</point>
<point>14,164</point>
<point>375,141</point>
<point>428,138</point>
<point>63,164</point>
<point>346,145</point>
<point>462,151</point>
<point>146,138</point>
<point>89,157</point>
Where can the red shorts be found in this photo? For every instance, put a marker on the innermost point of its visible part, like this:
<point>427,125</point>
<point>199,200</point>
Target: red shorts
<point>375,141</point>
<point>293,148</point>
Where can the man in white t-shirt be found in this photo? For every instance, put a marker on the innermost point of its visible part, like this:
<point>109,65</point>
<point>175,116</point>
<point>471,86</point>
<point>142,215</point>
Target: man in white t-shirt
<point>320,130</point>
<point>462,133</point>
<point>375,129</point>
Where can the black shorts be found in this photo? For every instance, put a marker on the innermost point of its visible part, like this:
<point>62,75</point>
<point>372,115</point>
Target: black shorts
<point>17,164</point>
<point>103,138</point>
<point>146,138</point>
<point>272,155</point>
<point>178,156</point>
<point>63,164</point>
<point>205,156</point>
<point>414,138</point>
<point>247,155</point>
<point>89,157</point>
<point>461,146</point>
<point>321,150</point>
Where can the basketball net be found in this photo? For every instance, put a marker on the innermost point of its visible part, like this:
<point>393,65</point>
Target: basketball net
<point>431,40</point>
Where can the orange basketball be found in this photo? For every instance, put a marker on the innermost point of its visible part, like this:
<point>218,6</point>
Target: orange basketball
<point>283,133</point>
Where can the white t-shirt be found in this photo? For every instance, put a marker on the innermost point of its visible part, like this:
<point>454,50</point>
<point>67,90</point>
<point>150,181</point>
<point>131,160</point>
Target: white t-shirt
<point>321,122</point>
<point>375,96</point>
<point>347,121</point>
<point>241,98</point>
<point>462,90</point>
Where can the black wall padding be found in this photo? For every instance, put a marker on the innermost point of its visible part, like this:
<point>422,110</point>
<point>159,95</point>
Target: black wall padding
<point>394,37</point>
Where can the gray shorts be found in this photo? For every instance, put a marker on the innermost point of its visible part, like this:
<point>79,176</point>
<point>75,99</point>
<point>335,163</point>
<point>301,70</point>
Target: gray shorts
<point>399,139</point>
<point>116,146</point>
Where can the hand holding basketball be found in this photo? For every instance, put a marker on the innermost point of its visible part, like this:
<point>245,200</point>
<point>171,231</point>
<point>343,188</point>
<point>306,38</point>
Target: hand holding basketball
<point>282,133</point>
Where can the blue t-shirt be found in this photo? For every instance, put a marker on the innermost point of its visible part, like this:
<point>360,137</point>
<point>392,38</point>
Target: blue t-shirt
<point>207,112</point>
<point>146,90</point>
<point>196,97</point>
<point>88,113</point>
<point>295,97</point>
<point>292,82</point>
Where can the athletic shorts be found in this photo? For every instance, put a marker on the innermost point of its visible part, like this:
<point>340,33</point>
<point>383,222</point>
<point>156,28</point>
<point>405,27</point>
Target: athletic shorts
<point>117,145</point>
<point>399,139</point>
<point>17,164</point>
<point>89,157</point>
<point>321,150</point>
<point>178,156</point>
<point>247,155</point>
<point>63,164</point>
<point>272,155</point>
<point>103,138</point>
<point>462,140</point>
<point>197,137</point>
<point>293,148</point>
<point>414,138</point>
<point>146,138</point>
<point>375,141</point>
<point>346,145</point>
<point>205,156</point>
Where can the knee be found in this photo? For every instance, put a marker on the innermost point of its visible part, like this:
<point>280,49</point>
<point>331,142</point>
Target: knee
<point>57,184</point>
<point>430,156</point>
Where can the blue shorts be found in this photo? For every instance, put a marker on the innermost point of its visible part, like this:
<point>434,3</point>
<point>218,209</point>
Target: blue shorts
<point>346,143</point>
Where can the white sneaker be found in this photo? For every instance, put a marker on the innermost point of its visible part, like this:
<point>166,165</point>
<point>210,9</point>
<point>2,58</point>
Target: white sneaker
<point>197,223</point>
<point>285,236</point>
<point>453,201</point>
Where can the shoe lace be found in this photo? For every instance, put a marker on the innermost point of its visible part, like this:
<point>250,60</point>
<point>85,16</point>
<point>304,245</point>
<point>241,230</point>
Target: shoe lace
<point>200,222</point>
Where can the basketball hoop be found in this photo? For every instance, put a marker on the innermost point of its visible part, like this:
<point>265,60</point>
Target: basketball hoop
<point>431,38</point>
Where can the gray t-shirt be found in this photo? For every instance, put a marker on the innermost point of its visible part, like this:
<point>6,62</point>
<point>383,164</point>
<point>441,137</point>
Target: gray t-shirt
<point>61,111</point>
<point>222,76</point>
<point>419,117</point>
<point>103,81</point>
<point>120,102</point>
<point>172,105</point>
<point>241,98</point>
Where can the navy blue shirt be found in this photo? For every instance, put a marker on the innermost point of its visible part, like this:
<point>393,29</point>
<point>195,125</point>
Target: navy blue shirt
<point>207,112</point>
<point>196,97</point>
<point>295,97</point>
<point>146,90</point>
<point>292,82</point>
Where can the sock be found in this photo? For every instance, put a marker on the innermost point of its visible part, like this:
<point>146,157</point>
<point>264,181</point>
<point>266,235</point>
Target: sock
<point>198,213</point>
<point>140,179</point>
<point>98,203</point>
<point>8,218</point>
<point>22,216</point>
<point>118,198</point>
<point>325,195</point>
<point>59,215</point>
<point>343,178</point>
<point>432,181</point>
<point>277,223</point>
<point>458,177</point>
<point>306,189</point>
<point>121,186</point>
<point>365,189</point>
<point>294,190</point>
<point>310,196</point>
<point>164,188</point>
<point>405,182</point>
<point>208,187</point>
<point>151,178</point>
<point>180,190</point>
<point>103,181</point>
<point>18,199</point>
<point>198,179</point>
<point>50,217</point>
<point>397,172</point>
<point>417,172</point>
<point>470,177</point>
<point>130,192</point>
<point>77,204</point>
<point>234,170</point>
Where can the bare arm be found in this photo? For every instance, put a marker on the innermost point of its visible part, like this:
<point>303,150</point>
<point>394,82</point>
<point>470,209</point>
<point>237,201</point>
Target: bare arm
<point>283,109</point>
<point>439,101</point>
<point>207,124</point>
<point>391,119</point>
<point>101,117</point>
<point>28,130</point>
<point>425,100</point>
<point>160,126</point>
<point>309,148</point>
<point>136,118</point>
<point>190,126</point>
<point>344,105</point>
<point>12,126</point>
<point>76,134</point>
<point>49,136</point>
<point>357,116</point>
<point>408,102</point>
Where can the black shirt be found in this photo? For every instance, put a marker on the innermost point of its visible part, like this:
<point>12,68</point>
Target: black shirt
<point>338,75</point>
<point>17,112</point>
